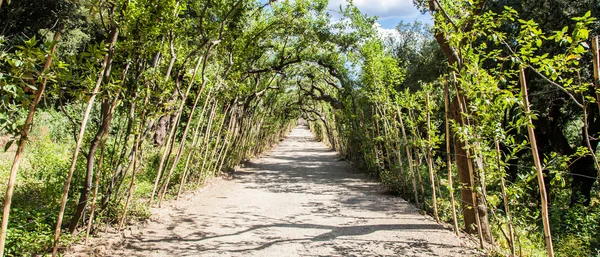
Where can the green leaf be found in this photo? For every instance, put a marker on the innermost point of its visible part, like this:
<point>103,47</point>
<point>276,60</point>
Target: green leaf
<point>32,87</point>
<point>8,144</point>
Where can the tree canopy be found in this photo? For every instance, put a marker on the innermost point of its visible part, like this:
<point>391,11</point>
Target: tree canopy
<point>487,119</point>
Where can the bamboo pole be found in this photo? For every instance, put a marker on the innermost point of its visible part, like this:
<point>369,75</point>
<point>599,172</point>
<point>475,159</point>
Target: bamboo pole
<point>171,139</point>
<point>215,150</point>
<point>420,178</point>
<point>138,142</point>
<point>225,142</point>
<point>86,115</point>
<point>163,158</point>
<point>538,165</point>
<point>380,160</point>
<point>22,143</point>
<point>229,137</point>
<point>511,233</point>
<point>132,183</point>
<point>596,55</point>
<point>409,156</point>
<point>196,138</point>
<point>415,133</point>
<point>397,149</point>
<point>430,158</point>
<point>96,185</point>
<point>206,143</point>
<point>232,140</point>
<point>386,132</point>
<point>449,158</point>
<point>191,115</point>
<point>463,107</point>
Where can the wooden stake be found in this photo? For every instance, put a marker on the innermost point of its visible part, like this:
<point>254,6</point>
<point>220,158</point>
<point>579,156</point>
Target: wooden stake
<point>399,155</point>
<point>96,185</point>
<point>511,233</point>
<point>132,183</point>
<point>418,159</point>
<point>596,55</point>
<point>196,138</point>
<point>206,142</point>
<point>538,166</point>
<point>86,115</point>
<point>430,158</point>
<point>474,201</point>
<point>171,139</point>
<point>449,158</point>
<point>409,156</point>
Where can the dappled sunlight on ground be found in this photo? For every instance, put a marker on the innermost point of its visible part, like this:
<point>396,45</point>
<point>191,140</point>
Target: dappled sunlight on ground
<point>298,200</point>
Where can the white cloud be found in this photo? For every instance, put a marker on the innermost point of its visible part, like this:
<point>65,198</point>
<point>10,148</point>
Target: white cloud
<point>384,33</point>
<point>381,8</point>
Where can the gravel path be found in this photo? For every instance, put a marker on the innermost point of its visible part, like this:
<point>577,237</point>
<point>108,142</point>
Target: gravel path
<point>299,200</point>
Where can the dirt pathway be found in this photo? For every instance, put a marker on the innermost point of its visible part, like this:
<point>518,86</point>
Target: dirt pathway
<point>299,200</point>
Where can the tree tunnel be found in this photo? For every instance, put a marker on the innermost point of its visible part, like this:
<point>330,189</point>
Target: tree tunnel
<point>114,106</point>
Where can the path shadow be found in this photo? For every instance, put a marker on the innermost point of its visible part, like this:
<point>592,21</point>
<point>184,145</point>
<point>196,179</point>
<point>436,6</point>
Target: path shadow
<point>335,192</point>
<point>346,243</point>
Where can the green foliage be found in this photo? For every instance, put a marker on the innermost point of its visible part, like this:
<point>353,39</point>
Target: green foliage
<point>577,230</point>
<point>41,179</point>
<point>235,75</point>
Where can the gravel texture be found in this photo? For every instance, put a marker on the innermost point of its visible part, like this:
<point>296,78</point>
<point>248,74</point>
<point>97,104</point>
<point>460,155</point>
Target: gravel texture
<point>298,200</point>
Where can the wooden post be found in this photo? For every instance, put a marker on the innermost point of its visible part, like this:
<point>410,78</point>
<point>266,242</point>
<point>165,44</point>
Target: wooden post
<point>538,165</point>
<point>132,183</point>
<point>596,54</point>
<point>449,159</point>
<point>511,233</point>
<point>96,186</point>
<point>205,149</point>
<point>409,156</point>
<point>430,158</point>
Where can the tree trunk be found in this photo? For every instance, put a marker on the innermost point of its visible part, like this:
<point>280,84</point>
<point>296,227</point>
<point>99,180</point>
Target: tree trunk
<point>106,114</point>
<point>475,214</point>
<point>463,162</point>
<point>87,183</point>
<point>107,59</point>
<point>161,130</point>
<point>96,185</point>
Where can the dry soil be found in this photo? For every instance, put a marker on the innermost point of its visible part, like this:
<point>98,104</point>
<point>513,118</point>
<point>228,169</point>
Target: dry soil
<point>298,200</point>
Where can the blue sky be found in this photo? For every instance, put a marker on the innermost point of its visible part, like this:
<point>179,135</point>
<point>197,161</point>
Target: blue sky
<point>390,12</point>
